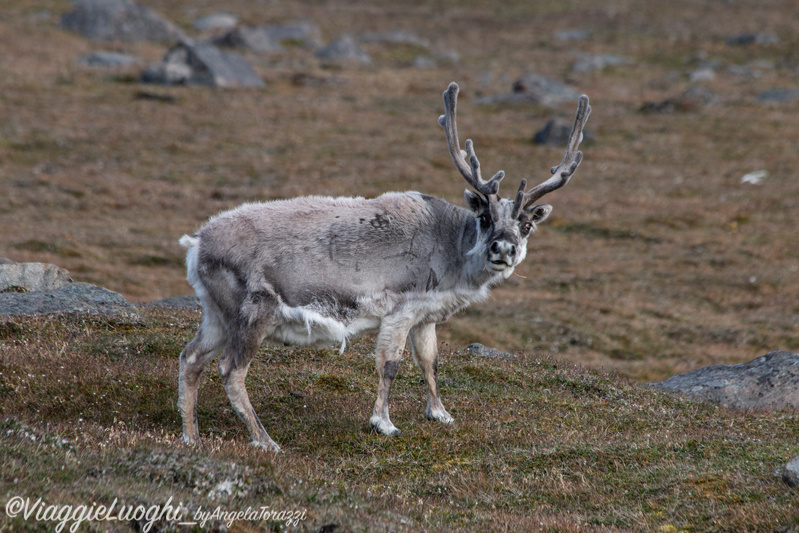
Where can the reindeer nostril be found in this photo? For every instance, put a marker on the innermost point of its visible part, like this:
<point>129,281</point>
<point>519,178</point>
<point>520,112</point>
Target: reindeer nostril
<point>495,247</point>
<point>512,251</point>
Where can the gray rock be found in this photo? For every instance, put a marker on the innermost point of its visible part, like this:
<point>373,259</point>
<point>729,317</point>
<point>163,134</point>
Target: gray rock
<point>573,35</point>
<point>305,34</point>
<point>202,64</point>
<point>28,277</point>
<point>395,37</point>
<point>692,99</point>
<point>217,21</point>
<point>423,62</point>
<point>591,62</point>
<point>534,88</point>
<point>271,38</point>
<point>702,74</point>
<point>106,60</point>
<point>119,20</point>
<point>768,382</point>
<point>778,96</point>
<point>485,351</point>
<point>70,298</point>
<point>7,261</point>
<point>254,39</point>
<point>556,133</point>
<point>740,70</point>
<point>343,50</point>
<point>752,38</point>
<point>176,302</point>
<point>791,472</point>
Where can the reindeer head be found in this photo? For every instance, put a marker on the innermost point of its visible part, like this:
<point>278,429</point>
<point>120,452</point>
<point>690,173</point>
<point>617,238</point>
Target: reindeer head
<point>503,225</point>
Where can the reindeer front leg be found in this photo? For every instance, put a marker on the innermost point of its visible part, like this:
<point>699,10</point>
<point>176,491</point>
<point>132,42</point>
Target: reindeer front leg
<point>425,353</point>
<point>389,348</point>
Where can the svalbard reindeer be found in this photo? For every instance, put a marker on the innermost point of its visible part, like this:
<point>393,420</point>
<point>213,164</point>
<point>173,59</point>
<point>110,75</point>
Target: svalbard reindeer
<point>316,270</point>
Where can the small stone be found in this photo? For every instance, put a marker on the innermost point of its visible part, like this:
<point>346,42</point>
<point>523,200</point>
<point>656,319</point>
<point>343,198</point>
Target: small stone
<point>395,37</point>
<point>556,133</point>
<point>534,88</point>
<point>746,39</point>
<point>106,60</point>
<point>778,96</point>
<point>217,21</point>
<point>702,74</point>
<point>485,351</point>
<point>423,62</point>
<point>573,35</point>
<point>692,99</point>
<point>791,472</point>
<point>344,50</point>
<point>255,39</point>
<point>592,62</point>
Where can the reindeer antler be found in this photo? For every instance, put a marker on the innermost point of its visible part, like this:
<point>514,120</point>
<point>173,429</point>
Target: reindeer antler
<point>571,160</point>
<point>470,171</point>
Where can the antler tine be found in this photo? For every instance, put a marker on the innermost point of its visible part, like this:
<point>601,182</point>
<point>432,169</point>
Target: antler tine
<point>571,159</point>
<point>470,171</point>
<point>519,201</point>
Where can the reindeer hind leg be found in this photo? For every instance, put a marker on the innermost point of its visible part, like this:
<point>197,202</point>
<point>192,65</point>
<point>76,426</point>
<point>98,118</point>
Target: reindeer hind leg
<point>206,345</point>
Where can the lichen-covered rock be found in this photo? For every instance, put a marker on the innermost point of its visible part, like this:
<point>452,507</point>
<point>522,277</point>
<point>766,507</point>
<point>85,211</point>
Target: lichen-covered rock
<point>70,298</point>
<point>768,382</point>
<point>119,20</point>
<point>28,277</point>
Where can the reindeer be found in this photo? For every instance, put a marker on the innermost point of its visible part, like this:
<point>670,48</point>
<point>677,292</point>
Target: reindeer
<point>315,271</point>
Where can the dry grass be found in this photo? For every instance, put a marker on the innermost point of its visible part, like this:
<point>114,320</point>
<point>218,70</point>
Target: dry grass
<point>657,259</point>
<point>538,443</point>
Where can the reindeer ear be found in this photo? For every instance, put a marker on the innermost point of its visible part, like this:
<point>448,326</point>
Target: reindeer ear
<point>539,213</point>
<point>474,201</point>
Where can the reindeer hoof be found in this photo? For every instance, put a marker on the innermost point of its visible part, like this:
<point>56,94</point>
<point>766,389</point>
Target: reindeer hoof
<point>384,427</point>
<point>270,445</point>
<point>440,416</point>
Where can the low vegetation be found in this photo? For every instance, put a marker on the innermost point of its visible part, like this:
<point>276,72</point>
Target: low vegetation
<point>538,444</point>
<point>657,259</point>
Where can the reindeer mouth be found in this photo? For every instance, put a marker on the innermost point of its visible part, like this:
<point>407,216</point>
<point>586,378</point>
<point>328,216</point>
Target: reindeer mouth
<point>498,266</point>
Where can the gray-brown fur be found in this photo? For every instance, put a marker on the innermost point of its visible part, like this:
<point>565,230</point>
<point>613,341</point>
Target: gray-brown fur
<point>319,270</point>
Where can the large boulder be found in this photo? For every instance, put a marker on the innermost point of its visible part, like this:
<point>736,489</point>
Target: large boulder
<point>119,20</point>
<point>70,298</point>
<point>202,64</point>
<point>28,277</point>
<point>768,382</point>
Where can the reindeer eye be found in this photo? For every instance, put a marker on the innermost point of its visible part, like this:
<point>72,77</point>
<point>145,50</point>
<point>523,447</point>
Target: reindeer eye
<point>483,221</point>
<point>526,228</point>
